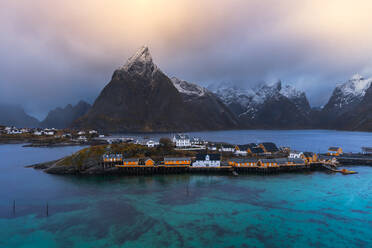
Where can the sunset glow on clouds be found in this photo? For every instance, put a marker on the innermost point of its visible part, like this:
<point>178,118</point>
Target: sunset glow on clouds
<point>58,52</point>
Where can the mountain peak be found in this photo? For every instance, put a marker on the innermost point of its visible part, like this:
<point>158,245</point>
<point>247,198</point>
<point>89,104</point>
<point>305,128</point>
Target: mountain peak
<point>356,77</point>
<point>140,63</point>
<point>356,86</point>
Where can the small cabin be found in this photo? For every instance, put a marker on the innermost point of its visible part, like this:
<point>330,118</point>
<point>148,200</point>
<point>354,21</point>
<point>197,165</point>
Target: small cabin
<point>131,162</point>
<point>256,151</point>
<point>108,158</point>
<point>295,154</point>
<point>207,160</point>
<point>181,161</point>
<point>310,157</point>
<point>335,151</point>
<point>244,149</point>
<point>227,148</point>
<point>268,163</point>
<point>296,161</point>
<point>248,162</point>
<point>182,140</point>
<point>269,147</point>
<point>282,161</point>
<point>147,162</point>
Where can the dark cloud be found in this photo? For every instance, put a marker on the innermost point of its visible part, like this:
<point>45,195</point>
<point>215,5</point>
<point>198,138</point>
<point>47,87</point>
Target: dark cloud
<point>55,53</point>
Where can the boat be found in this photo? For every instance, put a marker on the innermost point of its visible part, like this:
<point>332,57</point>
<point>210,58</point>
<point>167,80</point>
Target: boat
<point>347,172</point>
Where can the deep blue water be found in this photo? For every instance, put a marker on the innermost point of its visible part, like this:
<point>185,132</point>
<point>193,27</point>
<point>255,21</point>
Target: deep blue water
<point>289,210</point>
<point>302,140</point>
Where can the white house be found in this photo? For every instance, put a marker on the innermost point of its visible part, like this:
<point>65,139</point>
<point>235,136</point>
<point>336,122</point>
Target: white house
<point>38,133</point>
<point>295,154</point>
<point>14,131</point>
<point>151,143</point>
<point>207,160</point>
<point>93,132</point>
<point>227,148</point>
<point>50,133</point>
<point>81,133</point>
<point>212,147</point>
<point>197,141</point>
<point>82,138</point>
<point>182,140</point>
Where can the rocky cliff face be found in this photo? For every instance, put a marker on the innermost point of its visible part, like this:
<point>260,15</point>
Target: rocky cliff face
<point>14,115</point>
<point>140,97</point>
<point>64,117</point>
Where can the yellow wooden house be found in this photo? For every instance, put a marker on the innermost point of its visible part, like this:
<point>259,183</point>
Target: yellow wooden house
<point>335,151</point>
<point>309,157</point>
<point>248,162</point>
<point>130,162</point>
<point>267,163</point>
<point>180,161</point>
<point>148,162</point>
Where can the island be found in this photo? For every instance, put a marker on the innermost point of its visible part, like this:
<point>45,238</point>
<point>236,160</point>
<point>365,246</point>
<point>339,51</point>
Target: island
<point>176,156</point>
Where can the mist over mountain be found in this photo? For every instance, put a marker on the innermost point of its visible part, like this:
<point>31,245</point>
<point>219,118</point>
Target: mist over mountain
<point>63,117</point>
<point>14,115</point>
<point>141,98</point>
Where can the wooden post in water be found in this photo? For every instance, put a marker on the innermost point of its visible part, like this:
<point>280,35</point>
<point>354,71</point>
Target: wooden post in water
<point>47,209</point>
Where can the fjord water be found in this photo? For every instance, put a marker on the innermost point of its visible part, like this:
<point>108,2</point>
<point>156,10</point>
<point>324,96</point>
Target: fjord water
<point>314,209</point>
<point>301,140</point>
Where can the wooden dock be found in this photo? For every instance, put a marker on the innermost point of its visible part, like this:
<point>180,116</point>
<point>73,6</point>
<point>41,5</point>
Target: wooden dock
<point>223,170</point>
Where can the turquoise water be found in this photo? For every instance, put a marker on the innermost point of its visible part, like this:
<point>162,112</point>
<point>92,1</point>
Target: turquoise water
<point>289,210</point>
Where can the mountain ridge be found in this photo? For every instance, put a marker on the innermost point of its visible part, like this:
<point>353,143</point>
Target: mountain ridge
<point>141,98</point>
<point>63,117</point>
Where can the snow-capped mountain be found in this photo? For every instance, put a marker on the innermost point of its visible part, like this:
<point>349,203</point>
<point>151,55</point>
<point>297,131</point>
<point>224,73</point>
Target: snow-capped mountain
<point>250,100</point>
<point>141,98</point>
<point>347,95</point>
<point>350,106</point>
<point>268,106</point>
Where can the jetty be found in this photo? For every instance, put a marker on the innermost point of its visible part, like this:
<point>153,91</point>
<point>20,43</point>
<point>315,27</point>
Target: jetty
<point>221,170</point>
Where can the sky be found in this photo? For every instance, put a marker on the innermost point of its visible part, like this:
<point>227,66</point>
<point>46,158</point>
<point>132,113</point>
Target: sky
<point>56,52</point>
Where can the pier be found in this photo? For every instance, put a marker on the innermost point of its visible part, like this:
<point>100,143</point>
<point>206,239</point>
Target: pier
<point>350,159</point>
<point>222,170</point>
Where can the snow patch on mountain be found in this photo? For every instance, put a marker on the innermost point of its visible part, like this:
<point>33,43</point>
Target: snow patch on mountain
<point>252,99</point>
<point>291,92</point>
<point>356,86</point>
<point>188,88</point>
<point>140,63</point>
<point>348,94</point>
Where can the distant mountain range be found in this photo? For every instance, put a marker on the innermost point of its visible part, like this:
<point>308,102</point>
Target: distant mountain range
<point>141,98</point>
<point>14,115</point>
<point>64,117</point>
<point>268,106</point>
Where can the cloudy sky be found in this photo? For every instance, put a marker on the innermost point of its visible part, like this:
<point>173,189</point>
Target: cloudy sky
<point>56,52</point>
